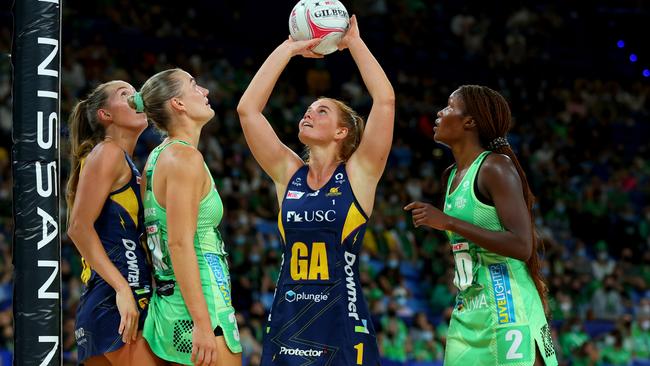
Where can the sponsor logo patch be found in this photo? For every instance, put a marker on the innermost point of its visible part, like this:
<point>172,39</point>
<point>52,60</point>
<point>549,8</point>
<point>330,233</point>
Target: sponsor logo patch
<point>222,278</point>
<point>291,296</point>
<point>294,195</point>
<point>334,191</point>
<point>297,182</point>
<point>459,247</point>
<point>300,352</point>
<point>502,293</point>
<point>311,216</point>
<point>351,285</point>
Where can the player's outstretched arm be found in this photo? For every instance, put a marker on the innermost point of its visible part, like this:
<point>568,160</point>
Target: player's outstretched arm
<point>372,154</point>
<point>277,160</point>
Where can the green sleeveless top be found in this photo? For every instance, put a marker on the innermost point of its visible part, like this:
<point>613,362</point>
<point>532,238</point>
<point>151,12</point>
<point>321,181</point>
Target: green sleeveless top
<point>463,204</point>
<point>207,238</point>
<point>498,318</point>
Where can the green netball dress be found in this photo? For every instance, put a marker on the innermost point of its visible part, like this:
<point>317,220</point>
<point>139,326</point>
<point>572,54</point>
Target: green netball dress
<point>168,328</point>
<point>498,318</point>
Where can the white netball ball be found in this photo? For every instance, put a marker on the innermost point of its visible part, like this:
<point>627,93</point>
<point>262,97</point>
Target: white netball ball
<point>326,19</point>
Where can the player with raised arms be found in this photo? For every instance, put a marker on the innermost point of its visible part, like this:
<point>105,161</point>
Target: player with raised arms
<point>499,317</point>
<point>319,313</point>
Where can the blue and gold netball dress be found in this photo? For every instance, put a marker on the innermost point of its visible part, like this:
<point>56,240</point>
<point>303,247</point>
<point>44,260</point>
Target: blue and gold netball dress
<point>120,228</point>
<point>319,315</point>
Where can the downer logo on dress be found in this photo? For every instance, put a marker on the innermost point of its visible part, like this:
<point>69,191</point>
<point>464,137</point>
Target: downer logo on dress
<point>292,296</point>
<point>311,216</point>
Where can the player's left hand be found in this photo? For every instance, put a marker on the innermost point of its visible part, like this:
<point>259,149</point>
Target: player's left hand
<point>351,35</point>
<point>426,214</point>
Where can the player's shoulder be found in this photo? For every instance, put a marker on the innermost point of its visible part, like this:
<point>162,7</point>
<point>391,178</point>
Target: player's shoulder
<point>185,158</point>
<point>498,167</point>
<point>498,163</point>
<point>105,155</point>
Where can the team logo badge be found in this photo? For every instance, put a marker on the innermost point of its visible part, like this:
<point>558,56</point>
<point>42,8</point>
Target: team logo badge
<point>334,191</point>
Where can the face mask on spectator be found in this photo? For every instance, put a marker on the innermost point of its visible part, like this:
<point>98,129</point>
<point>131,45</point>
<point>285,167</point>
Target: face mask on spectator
<point>645,325</point>
<point>602,256</point>
<point>566,306</point>
<point>646,308</point>
<point>427,336</point>
<point>393,263</point>
<point>255,258</point>
<point>401,225</point>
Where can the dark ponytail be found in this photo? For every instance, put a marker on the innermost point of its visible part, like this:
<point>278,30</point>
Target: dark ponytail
<point>492,115</point>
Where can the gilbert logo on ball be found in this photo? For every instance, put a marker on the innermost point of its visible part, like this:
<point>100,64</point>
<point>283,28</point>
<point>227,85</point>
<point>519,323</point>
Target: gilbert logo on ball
<point>326,19</point>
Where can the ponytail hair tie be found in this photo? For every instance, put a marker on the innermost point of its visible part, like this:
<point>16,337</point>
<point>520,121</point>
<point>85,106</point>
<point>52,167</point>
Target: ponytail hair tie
<point>139,102</point>
<point>497,143</point>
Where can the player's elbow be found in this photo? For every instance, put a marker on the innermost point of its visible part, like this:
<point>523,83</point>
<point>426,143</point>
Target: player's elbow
<point>526,251</point>
<point>74,229</point>
<point>525,256</point>
<point>176,245</point>
<point>386,99</point>
<point>245,109</point>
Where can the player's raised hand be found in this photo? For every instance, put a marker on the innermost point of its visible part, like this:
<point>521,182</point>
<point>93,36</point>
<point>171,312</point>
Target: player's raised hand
<point>351,35</point>
<point>303,48</point>
<point>426,214</point>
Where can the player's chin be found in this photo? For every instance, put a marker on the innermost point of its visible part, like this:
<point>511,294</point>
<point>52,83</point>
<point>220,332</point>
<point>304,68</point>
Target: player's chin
<point>436,136</point>
<point>302,137</point>
<point>210,114</point>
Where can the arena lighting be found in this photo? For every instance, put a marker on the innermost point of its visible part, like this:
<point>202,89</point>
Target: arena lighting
<point>620,43</point>
<point>646,73</point>
<point>633,57</point>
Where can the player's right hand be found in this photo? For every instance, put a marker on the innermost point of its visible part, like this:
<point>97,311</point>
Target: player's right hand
<point>204,347</point>
<point>303,48</point>
<point>129,314</point>
<point>351,35</point>
<point>424,214</point>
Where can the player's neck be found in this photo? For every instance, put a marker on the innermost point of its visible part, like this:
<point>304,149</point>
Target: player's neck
<point>465,155</point>
<point>125,139</point>
<point>323,158</point>
<point>186,132</point>
<point>322,164</point>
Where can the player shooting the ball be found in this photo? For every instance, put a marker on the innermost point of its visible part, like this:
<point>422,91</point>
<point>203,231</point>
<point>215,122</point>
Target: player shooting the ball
<point>319,312</point>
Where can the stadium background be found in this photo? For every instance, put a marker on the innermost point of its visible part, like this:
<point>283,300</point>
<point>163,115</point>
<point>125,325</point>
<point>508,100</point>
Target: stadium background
<point>581,126</point>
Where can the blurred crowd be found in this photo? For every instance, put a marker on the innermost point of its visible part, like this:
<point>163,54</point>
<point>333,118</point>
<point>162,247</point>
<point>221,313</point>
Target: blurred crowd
<point>581,127</point>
